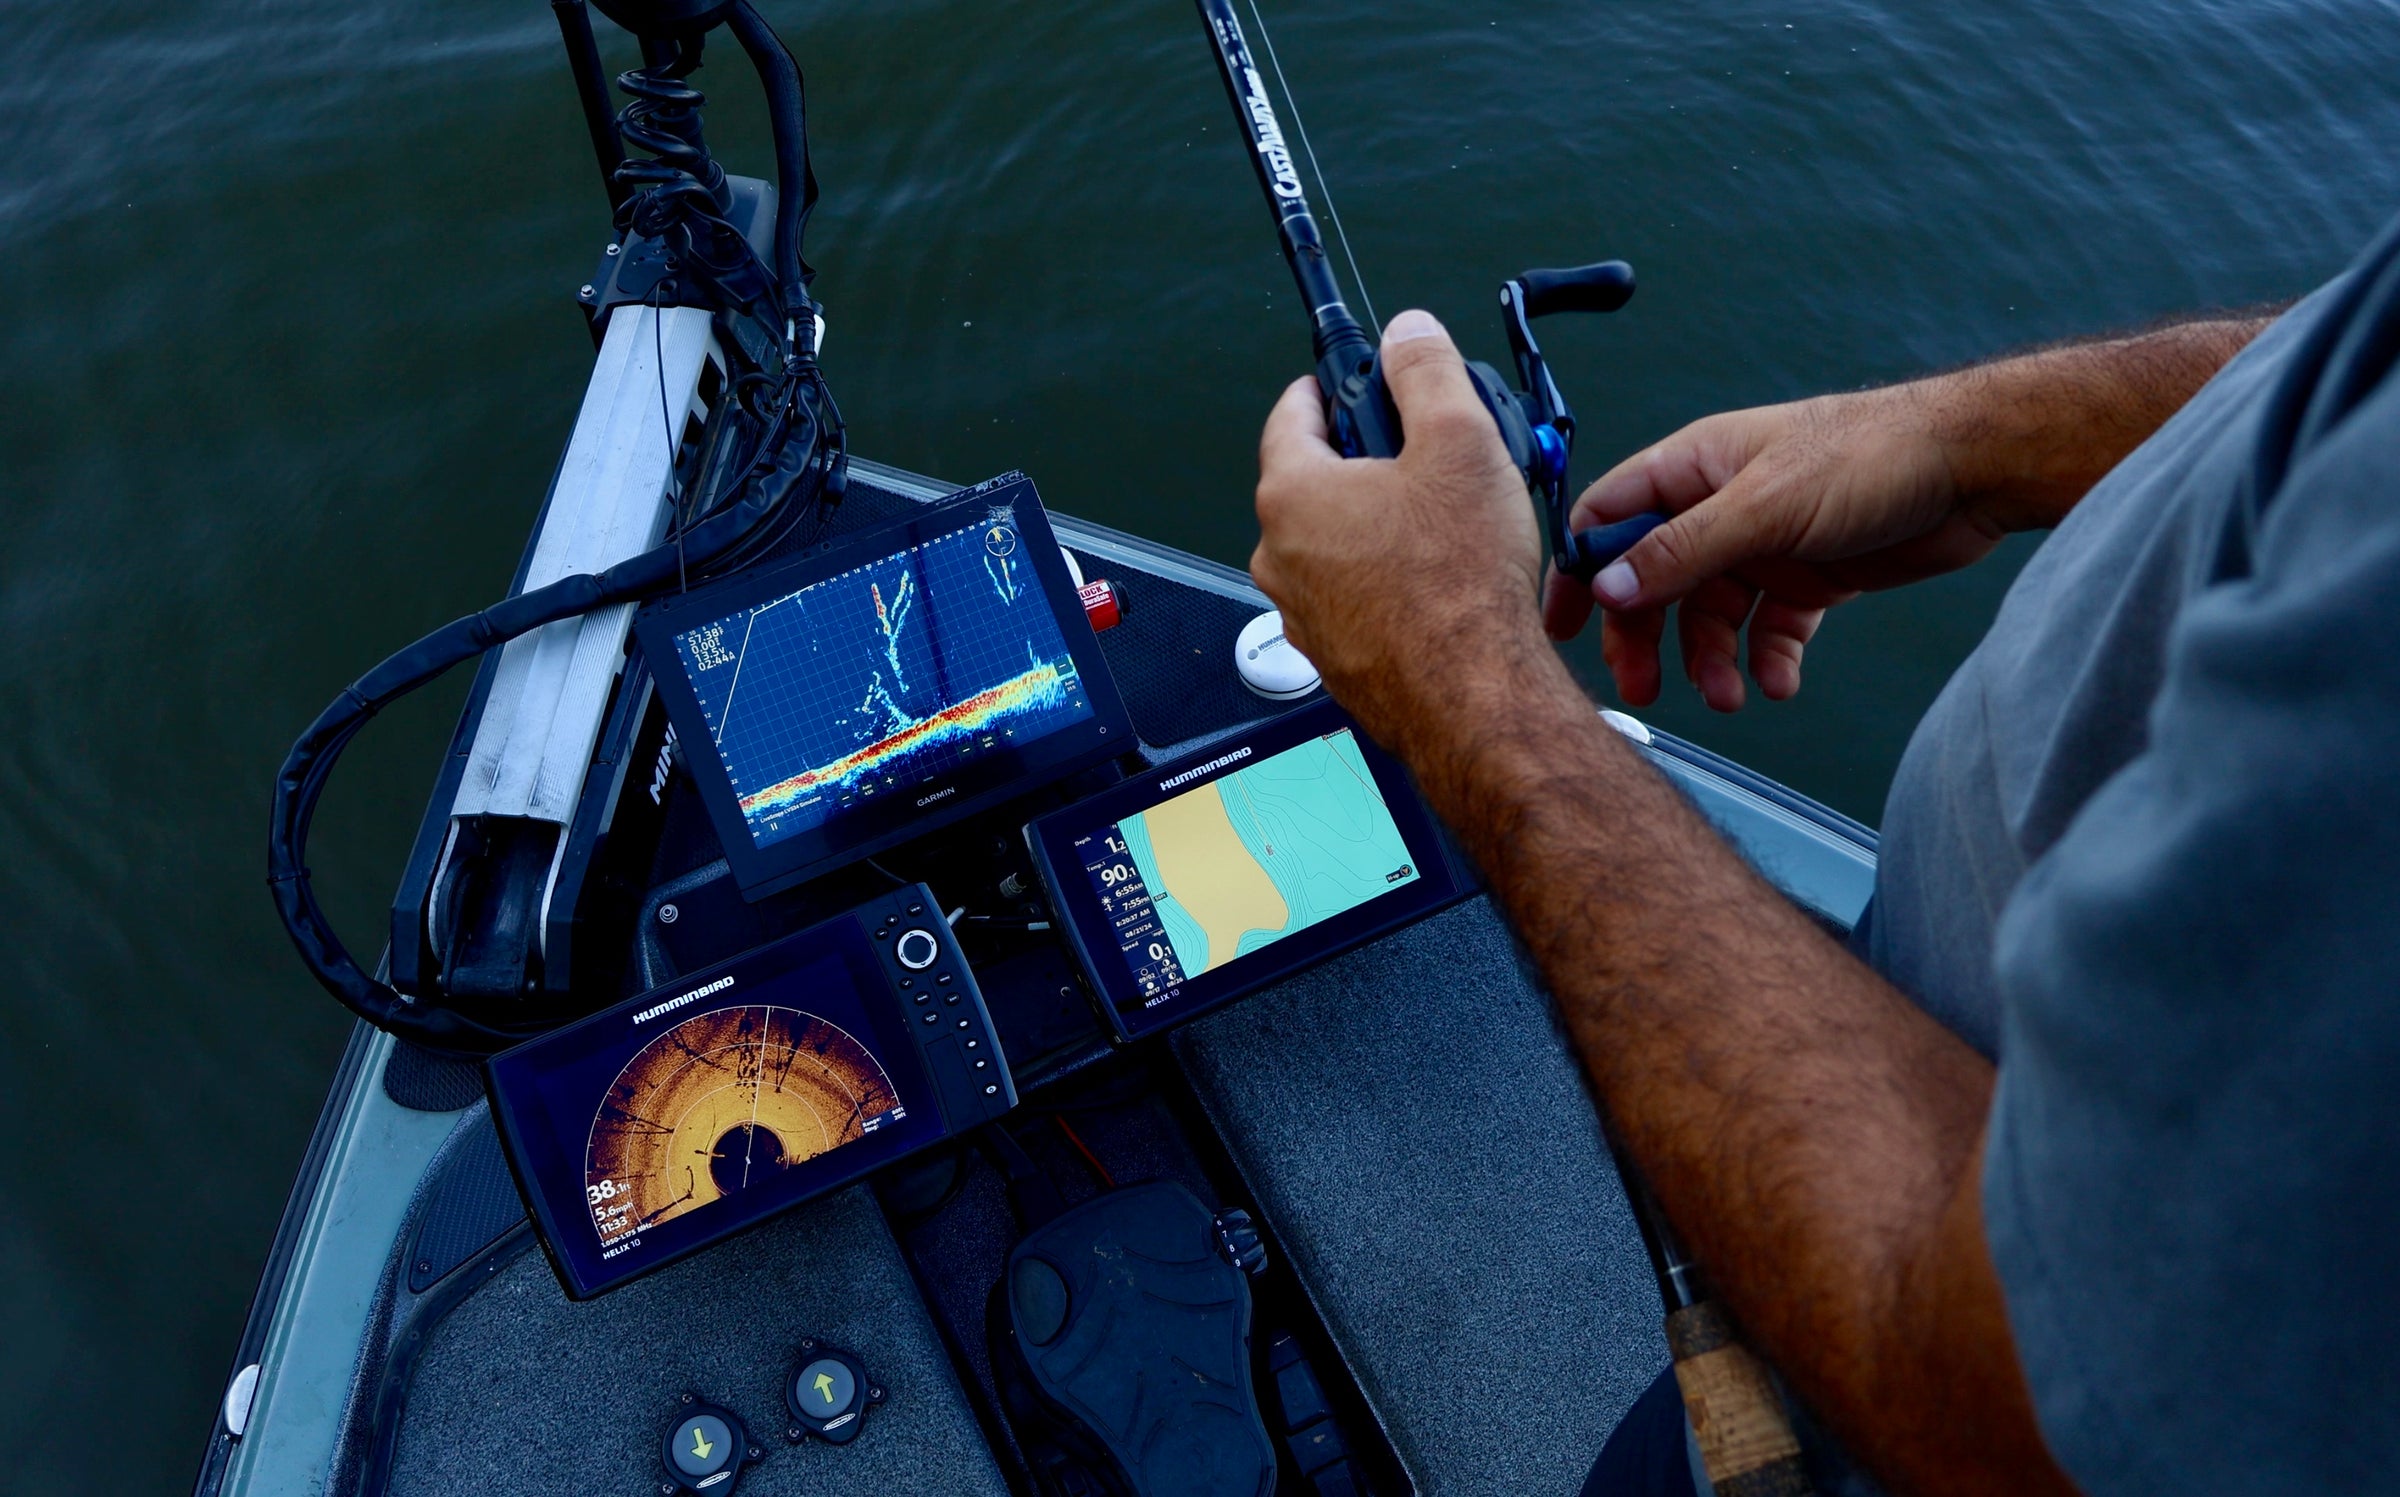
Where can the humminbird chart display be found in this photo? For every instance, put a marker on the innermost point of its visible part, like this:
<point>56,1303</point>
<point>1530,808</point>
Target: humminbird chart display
<point>873,692</point>
<point>1204,879</point>
<point>676,1118</point>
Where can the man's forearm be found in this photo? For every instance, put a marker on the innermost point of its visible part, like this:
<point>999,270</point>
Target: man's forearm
<point>1812,1134</point>
<point>2029,435</point>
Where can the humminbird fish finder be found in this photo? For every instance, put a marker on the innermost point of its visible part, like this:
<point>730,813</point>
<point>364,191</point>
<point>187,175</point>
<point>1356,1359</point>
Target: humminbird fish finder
<point>1264,853</point>
<point>842,702</point>
<point>663,1125</point>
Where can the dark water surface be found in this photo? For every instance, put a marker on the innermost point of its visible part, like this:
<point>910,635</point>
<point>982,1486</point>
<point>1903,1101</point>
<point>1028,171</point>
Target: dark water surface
<point>291,348</point>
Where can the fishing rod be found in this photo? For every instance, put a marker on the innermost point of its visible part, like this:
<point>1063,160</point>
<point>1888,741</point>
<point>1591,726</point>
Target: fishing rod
<point>1536,424</point>
<point>1746,1441</point>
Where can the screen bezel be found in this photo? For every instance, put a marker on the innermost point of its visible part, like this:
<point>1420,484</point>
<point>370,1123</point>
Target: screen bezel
<point>549,1165</point>
<point>864,831</point>
<point>1441,879</point>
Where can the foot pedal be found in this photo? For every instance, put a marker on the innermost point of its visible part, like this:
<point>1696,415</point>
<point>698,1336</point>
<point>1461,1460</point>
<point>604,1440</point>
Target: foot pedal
<point>1121,1336</point>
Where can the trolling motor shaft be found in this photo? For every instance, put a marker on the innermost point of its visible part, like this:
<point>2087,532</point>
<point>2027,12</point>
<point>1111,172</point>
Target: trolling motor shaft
<point>1535,423</point>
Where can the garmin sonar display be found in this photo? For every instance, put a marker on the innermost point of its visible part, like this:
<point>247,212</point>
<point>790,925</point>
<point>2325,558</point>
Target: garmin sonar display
<point>882,677</point>
<point>677,1118</point>
<point>1259,853</point>
<point>892,681</point>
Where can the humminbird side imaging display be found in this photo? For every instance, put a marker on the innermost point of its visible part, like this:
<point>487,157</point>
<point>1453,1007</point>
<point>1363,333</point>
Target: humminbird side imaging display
<point>664,1124</point>
<point>1207,878</point>
<point>833,705</point>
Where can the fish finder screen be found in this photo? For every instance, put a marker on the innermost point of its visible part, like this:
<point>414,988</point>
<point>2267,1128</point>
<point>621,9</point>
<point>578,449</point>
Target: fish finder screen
<point>666,1126</point>
<point>862,686</point>
<point>1244,860</point>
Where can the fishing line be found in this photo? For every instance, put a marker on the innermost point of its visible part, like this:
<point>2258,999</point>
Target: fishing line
<point>1333,215</point>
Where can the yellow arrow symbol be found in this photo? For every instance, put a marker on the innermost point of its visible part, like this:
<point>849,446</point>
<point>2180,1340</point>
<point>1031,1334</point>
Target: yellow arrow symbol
<point>700,1445</point>
<point>825,1386</point>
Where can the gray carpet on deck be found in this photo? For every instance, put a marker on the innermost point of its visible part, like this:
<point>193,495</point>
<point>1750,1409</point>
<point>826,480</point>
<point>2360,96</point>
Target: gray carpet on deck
<point>1417,1131</point>
<point>523,1391</point>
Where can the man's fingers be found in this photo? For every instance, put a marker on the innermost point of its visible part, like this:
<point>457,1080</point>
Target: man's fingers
<point>1673,475</point>
<point>1295,435</point>
<point>1709,626</point>
<point>1566,604</point>
<point>1428,380</point>
<point>1779,634</point>
<point>1734,526</point>
<point>1629,644</point>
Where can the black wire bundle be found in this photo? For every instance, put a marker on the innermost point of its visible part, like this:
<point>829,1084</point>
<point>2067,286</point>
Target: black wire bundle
<point>779,466</point>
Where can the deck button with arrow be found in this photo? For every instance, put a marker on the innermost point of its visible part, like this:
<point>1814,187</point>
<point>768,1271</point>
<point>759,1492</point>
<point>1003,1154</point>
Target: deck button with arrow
<point>828,1393</point>
<point>705,1449</point>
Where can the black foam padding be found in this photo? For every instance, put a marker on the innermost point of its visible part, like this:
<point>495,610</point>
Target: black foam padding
<point>1148,1357</point>
<point>521,1390</point>
<point>467,1208</point>
<point>1172,656</point>
<point>425,1082</point>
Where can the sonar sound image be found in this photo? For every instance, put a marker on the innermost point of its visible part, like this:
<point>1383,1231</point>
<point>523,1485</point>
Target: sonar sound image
<point>882,678</point>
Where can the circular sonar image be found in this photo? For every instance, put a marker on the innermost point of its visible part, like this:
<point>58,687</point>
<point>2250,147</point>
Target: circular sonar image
<point>724,1101</point>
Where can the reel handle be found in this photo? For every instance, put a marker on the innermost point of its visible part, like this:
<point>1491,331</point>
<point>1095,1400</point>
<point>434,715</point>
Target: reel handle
<point>1587,551</point>
<point>1603,287</point>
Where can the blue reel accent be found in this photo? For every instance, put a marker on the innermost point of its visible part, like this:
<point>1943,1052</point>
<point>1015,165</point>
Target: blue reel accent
<point>1549,456</point>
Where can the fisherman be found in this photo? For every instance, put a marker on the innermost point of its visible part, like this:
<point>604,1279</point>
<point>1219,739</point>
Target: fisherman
<point>2073,1171</point>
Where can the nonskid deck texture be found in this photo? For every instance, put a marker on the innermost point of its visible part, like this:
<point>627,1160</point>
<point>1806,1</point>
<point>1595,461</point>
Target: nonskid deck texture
<point>1414,1125</point>
<point>524,1391</point>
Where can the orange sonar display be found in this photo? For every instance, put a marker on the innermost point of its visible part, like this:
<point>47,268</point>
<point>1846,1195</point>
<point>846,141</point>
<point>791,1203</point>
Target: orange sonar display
<point>1046,685</point>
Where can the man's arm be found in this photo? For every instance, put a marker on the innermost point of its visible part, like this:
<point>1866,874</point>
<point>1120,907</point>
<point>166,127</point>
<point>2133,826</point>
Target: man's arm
<point>1784,511</point>
<point>1811,1133</point>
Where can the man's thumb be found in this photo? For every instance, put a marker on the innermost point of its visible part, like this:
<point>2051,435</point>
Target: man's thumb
<point>1671,560</point>
<point>1423,370</point>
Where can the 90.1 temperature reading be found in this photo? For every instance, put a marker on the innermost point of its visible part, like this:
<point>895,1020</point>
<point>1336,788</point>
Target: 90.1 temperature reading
<point>1125,903</point>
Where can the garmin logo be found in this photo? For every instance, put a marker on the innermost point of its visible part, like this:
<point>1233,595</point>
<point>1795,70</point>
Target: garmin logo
<point>1211,767</point>
<point>1270,137</point>
<point>941,794</point>
<point>672,1004</point>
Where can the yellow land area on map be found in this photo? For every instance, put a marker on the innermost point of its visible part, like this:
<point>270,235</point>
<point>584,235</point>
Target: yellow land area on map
<point>1212,873</point>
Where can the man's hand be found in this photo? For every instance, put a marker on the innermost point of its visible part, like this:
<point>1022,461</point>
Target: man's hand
<point>1784,511</point>
<point>1781,512</point>
<point>1394,575</point>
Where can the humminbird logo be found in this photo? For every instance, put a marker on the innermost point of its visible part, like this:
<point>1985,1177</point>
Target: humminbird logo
<point>672,1004</point>
<point>1270,136</point>
<point>946,790</point>
<point>1211,767</point>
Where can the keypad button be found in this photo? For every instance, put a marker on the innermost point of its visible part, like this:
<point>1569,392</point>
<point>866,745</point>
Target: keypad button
<point>962,1023</point>
<point>974,1044</point>
<point>942,979</point>
<point>946,997</point>
<point>906,983</point>
<point>916,949</point>
<point>924,998</point>
<point>991,1091</point>
<point>931,1017</point>
<point>916,909</point>
<point>983,1065</point>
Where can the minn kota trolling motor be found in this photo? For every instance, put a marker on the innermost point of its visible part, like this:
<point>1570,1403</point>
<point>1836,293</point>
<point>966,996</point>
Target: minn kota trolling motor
<point>1535,423</point>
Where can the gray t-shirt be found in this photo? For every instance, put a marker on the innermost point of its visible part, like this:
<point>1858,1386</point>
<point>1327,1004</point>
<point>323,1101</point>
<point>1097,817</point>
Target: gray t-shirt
<point>2145,851</point>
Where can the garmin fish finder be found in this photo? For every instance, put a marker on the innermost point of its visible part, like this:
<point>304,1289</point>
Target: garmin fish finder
<point>1267,852</point>
<point>901,679</point>
<point>677,1118</point>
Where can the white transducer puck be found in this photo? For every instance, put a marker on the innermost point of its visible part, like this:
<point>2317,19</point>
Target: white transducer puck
<point>1268,663</point>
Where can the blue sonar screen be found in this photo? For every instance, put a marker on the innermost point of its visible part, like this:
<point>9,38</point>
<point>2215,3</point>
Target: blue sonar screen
<point>878,679</point>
